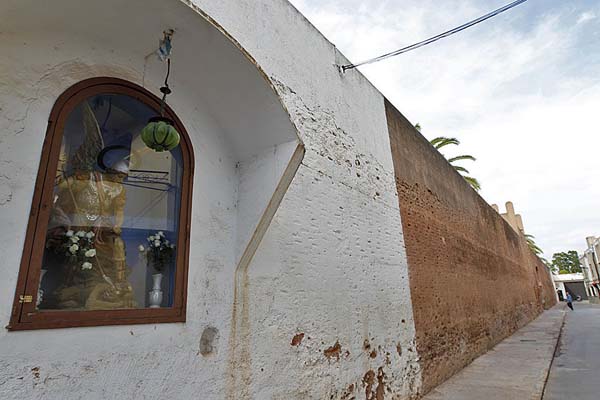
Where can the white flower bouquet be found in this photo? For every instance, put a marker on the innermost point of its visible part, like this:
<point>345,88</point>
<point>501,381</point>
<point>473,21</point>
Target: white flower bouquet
<point>159,251</point>
<point>78,247</point>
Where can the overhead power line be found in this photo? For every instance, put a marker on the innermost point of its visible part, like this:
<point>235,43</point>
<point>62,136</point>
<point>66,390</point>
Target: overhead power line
<point>432,39</point>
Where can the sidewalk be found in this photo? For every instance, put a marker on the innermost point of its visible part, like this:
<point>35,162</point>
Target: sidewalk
<point>516,368</point>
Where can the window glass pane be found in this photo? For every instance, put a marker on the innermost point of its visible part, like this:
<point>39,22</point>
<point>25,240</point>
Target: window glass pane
<point>112,233</point>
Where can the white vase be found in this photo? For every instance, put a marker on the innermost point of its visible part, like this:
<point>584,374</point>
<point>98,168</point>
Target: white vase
<point>155,296</point>
<point>40,294</point>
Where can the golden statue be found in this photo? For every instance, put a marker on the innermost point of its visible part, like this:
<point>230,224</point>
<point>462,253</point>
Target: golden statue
<point>89,200</point>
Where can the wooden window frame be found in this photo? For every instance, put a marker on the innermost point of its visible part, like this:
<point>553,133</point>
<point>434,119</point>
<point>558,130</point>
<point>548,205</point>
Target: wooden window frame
<point>24,315</point>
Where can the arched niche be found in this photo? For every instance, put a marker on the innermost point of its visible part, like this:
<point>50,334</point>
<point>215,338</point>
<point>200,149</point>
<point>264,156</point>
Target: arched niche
<point>246,148</point>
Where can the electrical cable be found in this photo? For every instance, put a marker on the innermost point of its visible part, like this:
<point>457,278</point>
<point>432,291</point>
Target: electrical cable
<point>432,39</point>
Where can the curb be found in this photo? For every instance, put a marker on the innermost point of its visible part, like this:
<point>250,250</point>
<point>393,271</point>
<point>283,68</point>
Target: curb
<point>555,353</point>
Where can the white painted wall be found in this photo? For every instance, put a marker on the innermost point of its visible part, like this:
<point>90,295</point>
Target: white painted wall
<point>332,263</point>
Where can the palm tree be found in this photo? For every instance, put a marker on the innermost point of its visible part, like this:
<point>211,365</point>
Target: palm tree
<point>532,245</point>
<point>442,141</point>
<point>537,250</point>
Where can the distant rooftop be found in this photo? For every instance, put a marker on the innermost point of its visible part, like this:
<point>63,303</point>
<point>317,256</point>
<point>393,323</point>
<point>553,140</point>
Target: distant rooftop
<point>568,277</point>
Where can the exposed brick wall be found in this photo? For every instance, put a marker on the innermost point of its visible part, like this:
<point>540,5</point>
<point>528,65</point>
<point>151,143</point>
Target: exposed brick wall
<point>548,292</point>
<point>473,279</point>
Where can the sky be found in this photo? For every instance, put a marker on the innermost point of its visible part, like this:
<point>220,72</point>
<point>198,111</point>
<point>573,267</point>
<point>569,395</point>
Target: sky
<point>521,91</point>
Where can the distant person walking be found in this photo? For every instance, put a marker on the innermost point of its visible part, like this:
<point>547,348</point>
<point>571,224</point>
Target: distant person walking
<point>570,300</point>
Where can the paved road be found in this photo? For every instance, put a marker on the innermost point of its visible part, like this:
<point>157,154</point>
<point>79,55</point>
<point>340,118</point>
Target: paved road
<point>575,372</point>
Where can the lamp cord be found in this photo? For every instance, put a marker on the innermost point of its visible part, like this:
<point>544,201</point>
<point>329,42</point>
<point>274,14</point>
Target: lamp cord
<point>165,90</point>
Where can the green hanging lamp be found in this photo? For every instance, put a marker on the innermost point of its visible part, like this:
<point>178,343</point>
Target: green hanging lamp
<point>160,134</point>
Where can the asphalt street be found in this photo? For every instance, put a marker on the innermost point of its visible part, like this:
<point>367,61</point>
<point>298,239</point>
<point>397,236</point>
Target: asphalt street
<point>575,371</point>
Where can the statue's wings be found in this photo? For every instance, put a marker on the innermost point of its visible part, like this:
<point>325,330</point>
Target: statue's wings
<point>84,158</point>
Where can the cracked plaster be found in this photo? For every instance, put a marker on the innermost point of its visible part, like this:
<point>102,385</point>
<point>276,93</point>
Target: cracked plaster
<point>332,263</point>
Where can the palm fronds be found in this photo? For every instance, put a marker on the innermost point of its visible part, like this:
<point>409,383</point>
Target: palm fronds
<point>532,245</point>
<point>473,182</point>
<point>463,157</point>
<point>442,141</point>
<point>461,169</point>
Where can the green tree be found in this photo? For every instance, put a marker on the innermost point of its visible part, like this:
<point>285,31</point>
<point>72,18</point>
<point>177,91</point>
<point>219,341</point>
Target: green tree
<point>442,141</point>
<point>566,262</point>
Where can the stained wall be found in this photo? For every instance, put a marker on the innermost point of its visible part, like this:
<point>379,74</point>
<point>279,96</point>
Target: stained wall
<point>323,309</point>
<point>473,279</point>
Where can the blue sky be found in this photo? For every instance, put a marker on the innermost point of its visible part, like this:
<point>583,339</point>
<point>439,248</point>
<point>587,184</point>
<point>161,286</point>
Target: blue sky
<point>521,91</point>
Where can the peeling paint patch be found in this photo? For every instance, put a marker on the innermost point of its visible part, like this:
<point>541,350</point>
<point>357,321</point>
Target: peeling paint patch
<point>380,390</point>
<point>373,392</point>
<point>333,351</point>
<point>297,339</point>
<point>368,381</point>
<point>348,394</point>
<point>208,341</point>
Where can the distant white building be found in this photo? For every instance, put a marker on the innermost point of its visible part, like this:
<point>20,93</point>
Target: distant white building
<point>591,267</point>
<point>570,283</point>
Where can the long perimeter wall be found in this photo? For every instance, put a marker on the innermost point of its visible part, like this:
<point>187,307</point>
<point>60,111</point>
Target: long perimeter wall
<point>473,280</point>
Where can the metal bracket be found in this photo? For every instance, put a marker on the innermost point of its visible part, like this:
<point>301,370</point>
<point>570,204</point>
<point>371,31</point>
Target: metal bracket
<point>26,299</point>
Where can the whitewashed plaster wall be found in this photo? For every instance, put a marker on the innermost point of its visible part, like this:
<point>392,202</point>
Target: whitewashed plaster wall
<point>107,362</point>
<point>322,311</point>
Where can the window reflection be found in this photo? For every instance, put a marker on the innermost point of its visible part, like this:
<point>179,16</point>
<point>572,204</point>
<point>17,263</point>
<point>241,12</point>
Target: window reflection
<point>113,227</point>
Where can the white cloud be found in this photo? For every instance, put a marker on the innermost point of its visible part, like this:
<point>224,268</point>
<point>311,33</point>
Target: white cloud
<point>518,90</point>
<point>585,17</point>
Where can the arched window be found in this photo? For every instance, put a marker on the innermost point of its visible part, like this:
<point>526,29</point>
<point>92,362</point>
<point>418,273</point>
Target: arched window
<point>107,240</point>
